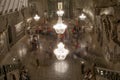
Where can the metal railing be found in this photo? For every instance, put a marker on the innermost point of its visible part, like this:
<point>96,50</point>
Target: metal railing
<point>4,69</point>
<point>107,73</point>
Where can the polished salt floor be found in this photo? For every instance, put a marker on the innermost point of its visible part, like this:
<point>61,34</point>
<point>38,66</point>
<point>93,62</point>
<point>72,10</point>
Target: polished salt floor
<point>49,68</point>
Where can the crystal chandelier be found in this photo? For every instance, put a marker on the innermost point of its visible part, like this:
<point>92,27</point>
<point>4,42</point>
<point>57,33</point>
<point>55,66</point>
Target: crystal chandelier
<point>60,28</point>
<point>36,17</point>
<point>61,52</point>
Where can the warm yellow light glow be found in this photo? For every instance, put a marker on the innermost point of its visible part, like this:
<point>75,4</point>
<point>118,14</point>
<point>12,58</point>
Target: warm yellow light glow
<point>101,72</point>
<point>60,5</point>
<point>82,62</point>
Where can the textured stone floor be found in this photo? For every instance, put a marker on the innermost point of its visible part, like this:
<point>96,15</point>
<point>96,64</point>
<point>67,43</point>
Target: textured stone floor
<point>50,68</point>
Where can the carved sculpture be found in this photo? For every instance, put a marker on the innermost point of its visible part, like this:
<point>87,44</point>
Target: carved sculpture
<point>116,33</point>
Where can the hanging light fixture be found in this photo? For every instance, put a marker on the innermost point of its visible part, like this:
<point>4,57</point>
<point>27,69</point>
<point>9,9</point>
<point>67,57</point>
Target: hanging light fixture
<point>60,27</point>
<point>82,16</point>
<point>36,17</point>
<point>61,52</point>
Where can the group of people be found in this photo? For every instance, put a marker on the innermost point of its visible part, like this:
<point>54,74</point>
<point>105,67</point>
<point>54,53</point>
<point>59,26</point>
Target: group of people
<point>88,73</point>
<point>24,74</point>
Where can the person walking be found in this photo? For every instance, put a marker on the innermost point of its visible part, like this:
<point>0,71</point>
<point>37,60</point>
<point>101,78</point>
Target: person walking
<point>82,67</point>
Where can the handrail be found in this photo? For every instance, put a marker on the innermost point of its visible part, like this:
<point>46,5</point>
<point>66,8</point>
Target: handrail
<point>4,69</point>
<point>108,69</point>
<point>107,73</point>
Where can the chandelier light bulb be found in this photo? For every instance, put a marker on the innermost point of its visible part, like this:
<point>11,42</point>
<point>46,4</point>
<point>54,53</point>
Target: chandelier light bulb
<point>60,13</point>
<point>60,28</point>
<point>82,16</point>
<point>36,17</point>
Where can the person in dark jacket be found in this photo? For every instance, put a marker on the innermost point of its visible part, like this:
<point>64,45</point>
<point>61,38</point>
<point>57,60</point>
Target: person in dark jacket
<point>82,67</point>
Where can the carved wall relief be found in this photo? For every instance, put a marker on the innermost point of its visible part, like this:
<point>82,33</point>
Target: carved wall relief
<point>112,54</point>
<point>118,31</point>
<point>106,27</point>
<point>116,34</point>
<point>3,42</point>
<point>109,54</point>
<point>99,30</point>
<point>100,37</point>
<point>116,55</point>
